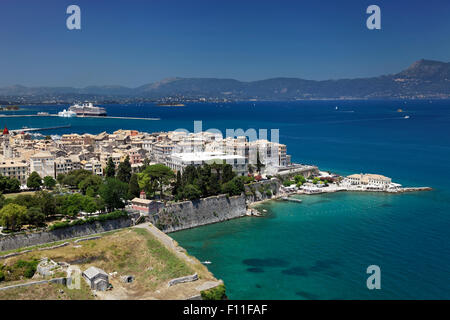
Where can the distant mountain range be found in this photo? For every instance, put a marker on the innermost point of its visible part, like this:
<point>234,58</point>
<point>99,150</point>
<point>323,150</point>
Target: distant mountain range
<point>423,79</point>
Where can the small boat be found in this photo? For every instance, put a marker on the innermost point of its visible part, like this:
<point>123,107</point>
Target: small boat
<point>337,108</point>
<point>206,262</point>
<point>399,110</point>
<point>406,117</point>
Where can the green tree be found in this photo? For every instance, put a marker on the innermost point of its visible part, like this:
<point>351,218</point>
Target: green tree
<point>288,183</point>
<point>46,202</point>
<point>26,200</point>
<point>8,185</point>
<point>217,167</point>
<point>189,175</point>
<point>124,170</point>
<point>60,178</point>
<point>228,173</point>
<point>35,216</point>
<point>158,173</point>
<point>34,181</point>
<point>71,204</point>
<point>191,192</point>
<point>110,171</point>
<point>203,179</point>
<point>147,184</point>
<point>92,181</point>
<point>90,192</point>
<point>74,177</point>
<point>89,205</point>
<point>214,185</point>
<point>49,182</point>
<point>233,187</point>
<point>145,164</point>
<point>178,184</point>
<point>113,192</point>
<point>3,200</point>
<point>133,187</point>
<point>13,216</point>
<point>259,164</point>
<point>299,179</point>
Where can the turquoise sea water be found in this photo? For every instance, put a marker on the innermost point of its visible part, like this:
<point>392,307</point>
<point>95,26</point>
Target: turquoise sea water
<point>320,249</point>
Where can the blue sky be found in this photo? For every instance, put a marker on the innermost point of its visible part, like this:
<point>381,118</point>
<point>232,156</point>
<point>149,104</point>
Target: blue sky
<point>136,42</point>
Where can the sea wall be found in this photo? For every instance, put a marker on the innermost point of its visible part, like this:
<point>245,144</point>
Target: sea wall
<point>190,214</point>
<point>262,190</point>
<point>11,242</point>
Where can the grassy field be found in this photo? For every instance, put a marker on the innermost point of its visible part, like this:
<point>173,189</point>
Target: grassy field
<point>13,195</point>
<point>48,292</point>
<point>132,251</point>
<point>50,244</point>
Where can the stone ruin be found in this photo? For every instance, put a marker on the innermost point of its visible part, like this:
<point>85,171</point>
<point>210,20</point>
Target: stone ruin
<point>48,267</point>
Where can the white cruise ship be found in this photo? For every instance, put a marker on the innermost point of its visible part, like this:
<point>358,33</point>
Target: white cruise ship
<point>87,109</point>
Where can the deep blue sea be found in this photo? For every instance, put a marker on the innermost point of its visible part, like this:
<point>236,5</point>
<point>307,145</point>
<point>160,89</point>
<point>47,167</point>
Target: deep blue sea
<point>321,248</point>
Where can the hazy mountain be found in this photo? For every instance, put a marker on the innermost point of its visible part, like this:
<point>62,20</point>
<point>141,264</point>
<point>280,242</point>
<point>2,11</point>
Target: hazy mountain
<point>422,79</point>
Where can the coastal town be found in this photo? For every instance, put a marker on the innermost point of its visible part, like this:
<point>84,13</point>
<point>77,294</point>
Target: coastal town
<point>22,154</point>
<point>59,191</point>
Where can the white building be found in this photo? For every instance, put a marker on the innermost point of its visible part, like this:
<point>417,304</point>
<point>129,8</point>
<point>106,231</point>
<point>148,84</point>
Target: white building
<point>369,179</point>
<point>96,278</point>
<point>94,166</point>
<point>16,168</point>
<point>178,161</point>
<point>64,165</point>
<point>43,163</point>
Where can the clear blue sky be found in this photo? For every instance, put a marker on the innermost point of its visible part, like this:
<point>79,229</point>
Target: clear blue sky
<point>136,42</point>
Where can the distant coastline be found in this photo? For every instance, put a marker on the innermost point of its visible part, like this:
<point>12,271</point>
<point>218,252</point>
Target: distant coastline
<point>424,79</point>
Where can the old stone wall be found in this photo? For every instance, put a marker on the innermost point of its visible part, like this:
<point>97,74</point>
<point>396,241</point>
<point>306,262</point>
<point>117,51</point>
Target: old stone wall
<point>262,190</point>
<point>11,242</point>
<point>190,214</point>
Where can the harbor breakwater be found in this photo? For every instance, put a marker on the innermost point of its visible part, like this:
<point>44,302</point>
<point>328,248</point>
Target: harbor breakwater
<point>12,242</point>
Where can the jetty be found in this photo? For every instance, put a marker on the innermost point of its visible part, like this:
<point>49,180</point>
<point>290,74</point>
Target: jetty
<point>291,199</point>
<point>55,115</point>
<point>40,129</point>
<point>414,189</point>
